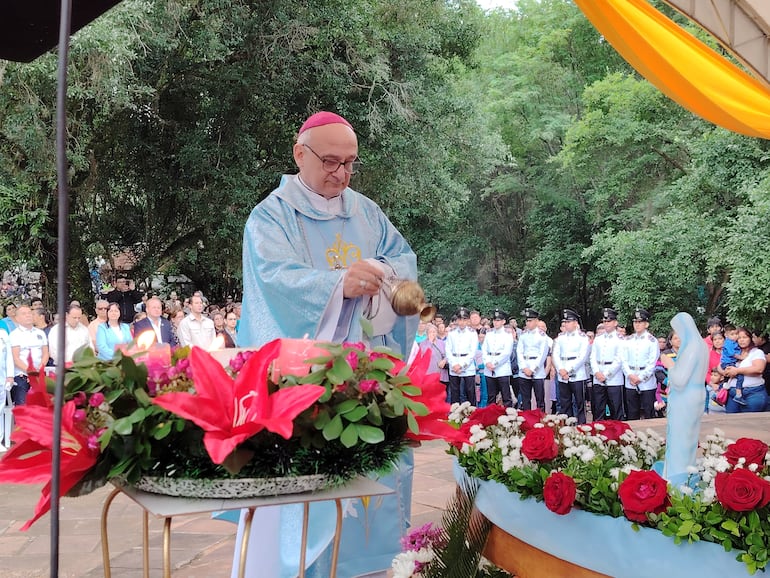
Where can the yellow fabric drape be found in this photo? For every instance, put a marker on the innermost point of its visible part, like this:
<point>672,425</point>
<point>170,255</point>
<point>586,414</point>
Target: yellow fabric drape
<point>681,66</point>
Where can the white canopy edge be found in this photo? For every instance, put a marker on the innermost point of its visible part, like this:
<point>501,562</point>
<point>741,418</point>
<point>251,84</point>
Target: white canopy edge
<point>741,26</point>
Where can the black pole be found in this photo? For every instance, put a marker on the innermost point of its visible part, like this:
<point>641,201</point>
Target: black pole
<point>61,276</point>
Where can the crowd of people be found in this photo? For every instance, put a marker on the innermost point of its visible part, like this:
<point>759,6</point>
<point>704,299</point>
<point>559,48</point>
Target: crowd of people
<point>29,333</point>
<point>607,373</point>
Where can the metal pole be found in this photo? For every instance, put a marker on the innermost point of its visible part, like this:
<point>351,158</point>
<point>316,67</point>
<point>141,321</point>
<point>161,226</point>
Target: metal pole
<point>61,276</point>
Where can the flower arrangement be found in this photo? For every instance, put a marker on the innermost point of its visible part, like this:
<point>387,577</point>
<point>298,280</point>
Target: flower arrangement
<point>609,469</point>
<point>343,412</point>
<point>452,549</point>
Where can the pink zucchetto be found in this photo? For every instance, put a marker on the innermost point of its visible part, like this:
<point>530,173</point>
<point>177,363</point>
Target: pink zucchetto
<point>321,119</point>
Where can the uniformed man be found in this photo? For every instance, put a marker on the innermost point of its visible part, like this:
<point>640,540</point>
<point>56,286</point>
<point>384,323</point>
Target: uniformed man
<point>640,353</point>
<point>570,352</point>
<point>496,353</point>
<point>532,352</point>
<point>607,368</point>
<point>461,345</point>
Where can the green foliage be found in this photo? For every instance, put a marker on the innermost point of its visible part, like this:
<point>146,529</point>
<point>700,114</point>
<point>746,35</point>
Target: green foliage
<point>364,394</point>
<point>748,289</point>
<point>134,424</point>
<point>464,533</point>
<point>689,519</point>
<point>515,150</point>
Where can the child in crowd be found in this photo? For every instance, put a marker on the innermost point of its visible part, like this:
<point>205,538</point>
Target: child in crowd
<point>731,355</point>
<point>712,388</point>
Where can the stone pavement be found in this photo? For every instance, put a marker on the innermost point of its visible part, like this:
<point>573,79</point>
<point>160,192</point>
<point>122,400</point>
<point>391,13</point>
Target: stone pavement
<point>202,547</point>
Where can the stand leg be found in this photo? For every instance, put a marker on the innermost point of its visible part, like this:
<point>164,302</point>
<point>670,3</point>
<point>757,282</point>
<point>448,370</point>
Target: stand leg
<point>245,541</point>
<point>337,539</point>
<point>105,538</point>
<point>7,421</point>
<point>303,545</point>
<point>167,547</point>
<point>145,544</point>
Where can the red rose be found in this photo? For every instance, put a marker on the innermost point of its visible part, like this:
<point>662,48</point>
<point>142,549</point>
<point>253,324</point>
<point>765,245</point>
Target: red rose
<point>643,492</point>
<point>559,493</point>
<point>742,490</point>
<point>531,417</point>
<point>613,429</point>
<point>486,416</point>
<point>540,444</point>
<point>753,450</point>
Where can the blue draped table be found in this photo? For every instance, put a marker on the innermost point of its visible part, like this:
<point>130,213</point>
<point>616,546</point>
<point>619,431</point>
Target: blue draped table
<point>602,544</point>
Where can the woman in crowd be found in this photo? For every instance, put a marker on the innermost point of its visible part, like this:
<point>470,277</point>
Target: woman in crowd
<point>231,320</point>
<point>715,352</point>
<point>751,367</point>
<point>667,359</point>
<point>714,377</point>
<point>175,315</point>
<point>438,362</point>
<point>111,333</point>
<point>219,321</point>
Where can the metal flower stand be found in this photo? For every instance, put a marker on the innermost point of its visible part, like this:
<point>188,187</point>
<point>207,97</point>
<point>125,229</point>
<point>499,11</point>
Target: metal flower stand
<point>167,507</point>
<point>7,422</point>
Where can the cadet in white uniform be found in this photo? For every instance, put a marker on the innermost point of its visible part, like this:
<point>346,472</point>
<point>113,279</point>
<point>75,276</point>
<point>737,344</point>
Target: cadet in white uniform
<point>570,352</point>
<point>496,353</point>
<point>640,353</point>
<point>461,345</point>
<point>531,353</point>
<point>607,368</point>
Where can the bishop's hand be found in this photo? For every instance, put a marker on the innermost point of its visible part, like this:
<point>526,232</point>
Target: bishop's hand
<point>361,278</point>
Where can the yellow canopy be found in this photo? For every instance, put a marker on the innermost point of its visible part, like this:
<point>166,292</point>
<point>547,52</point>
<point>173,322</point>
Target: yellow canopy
<point>681,66</point>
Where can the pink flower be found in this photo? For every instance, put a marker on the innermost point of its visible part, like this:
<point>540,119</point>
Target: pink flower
<point>237,362</point>
<point>93,442</point>
<point>350,345</point>
<point>369,385</point>
<point>425,536</point>
<point>96,400</point>
<point>79,415</point>
<point>352,359</point>
<point>79,399</point>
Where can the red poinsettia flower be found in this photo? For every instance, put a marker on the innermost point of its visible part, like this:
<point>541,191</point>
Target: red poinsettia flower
<point>434,425</point>
<point>232,410</point>
<point>29,460</point>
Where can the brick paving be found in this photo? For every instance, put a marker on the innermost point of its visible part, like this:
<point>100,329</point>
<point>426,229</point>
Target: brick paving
<point>202,547</point>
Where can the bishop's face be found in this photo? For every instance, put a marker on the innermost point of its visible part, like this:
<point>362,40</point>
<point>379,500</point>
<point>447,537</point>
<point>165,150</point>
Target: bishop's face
<point>325,145</point>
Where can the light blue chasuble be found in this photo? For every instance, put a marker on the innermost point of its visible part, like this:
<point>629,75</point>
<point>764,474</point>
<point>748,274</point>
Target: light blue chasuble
<point>294,259</point>
<point>295,251</point>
